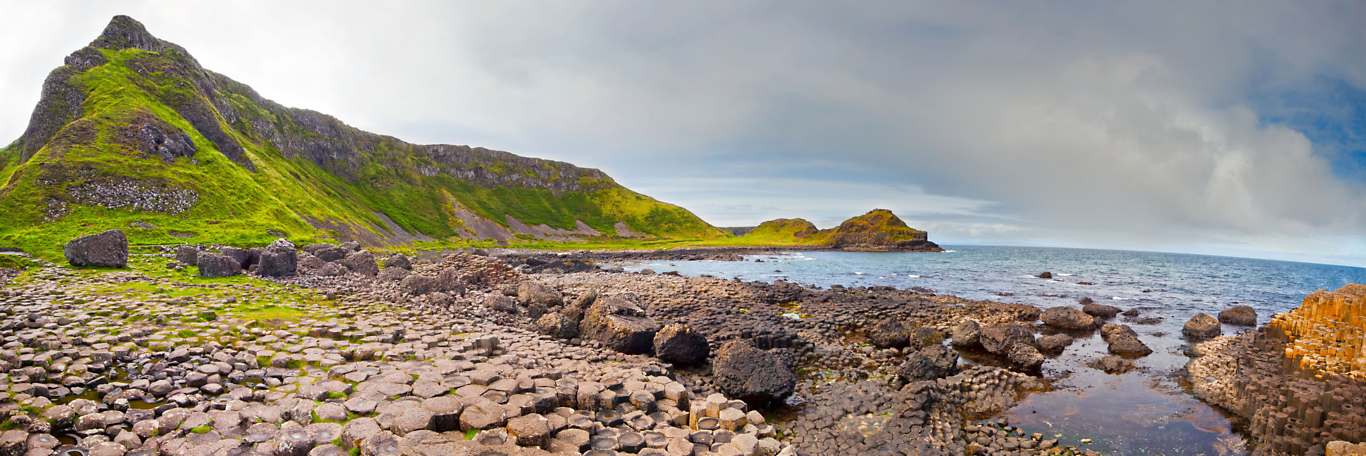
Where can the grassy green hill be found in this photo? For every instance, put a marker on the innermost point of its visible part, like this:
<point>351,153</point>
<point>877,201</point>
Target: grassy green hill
<point>133,133</point>
<point>878,230</point>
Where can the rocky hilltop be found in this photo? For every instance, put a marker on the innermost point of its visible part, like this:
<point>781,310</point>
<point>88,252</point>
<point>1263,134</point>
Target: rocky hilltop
<point>133,133</point>
<point>877,231</point>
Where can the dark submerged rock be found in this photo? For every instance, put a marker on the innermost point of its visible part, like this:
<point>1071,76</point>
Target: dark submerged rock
<point>1067,318</point>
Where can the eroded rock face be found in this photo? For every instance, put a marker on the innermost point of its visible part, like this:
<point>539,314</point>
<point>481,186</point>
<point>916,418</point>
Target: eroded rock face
<point>1322,333</point>
<point>105,250</point>
<point>680,345</point>
<point>1067,318</point>
<point>756,376</point>
<point>1239,315</point>
<point>1201,326</point>
<point>619,324</point>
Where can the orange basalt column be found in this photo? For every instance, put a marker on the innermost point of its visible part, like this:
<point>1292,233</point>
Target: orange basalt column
<point>1327,332</point>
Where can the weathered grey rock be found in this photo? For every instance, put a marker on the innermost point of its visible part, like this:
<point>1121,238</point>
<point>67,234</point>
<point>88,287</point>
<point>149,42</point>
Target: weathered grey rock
<point>680,345</point>
<point>450,281</point>
<point>293,442</point>
<point>557,325</point>
<point>187,254</point>
<point>279,259</point>
<point>888,333</point>
<point>1026,356</point>
<point>384,443</point>
<point>418,285</point>
<point>1123,340</point>
<point>1067,318</point>
<point>743,371</point>
<point>13,443</point>
<point>944,359</point>
<point>214,265</point>
<point>999,339</point>
<point>1114,364</point>
<point>529,293</point>
<point>329,253</point>
<point>1239,315</point>
<point>1055,343</point>
<point>966,333</point>
<point>105,250</point>
<point>575,309</point>
<point>917,367</point>
<point>500,303</point>
<point>620,325</point>
<point>398,261</point>
<point>393,274</point>
<point>1100,310</point>
<point>361,262</point>
<point>1202,326</point>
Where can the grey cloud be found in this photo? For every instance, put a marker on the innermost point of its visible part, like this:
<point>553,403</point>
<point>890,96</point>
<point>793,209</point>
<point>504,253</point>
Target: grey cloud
<point>1120,124</point>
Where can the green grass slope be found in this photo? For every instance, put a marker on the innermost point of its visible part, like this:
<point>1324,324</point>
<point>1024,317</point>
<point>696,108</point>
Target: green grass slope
<point>781,231</point>
<point>133,134</point>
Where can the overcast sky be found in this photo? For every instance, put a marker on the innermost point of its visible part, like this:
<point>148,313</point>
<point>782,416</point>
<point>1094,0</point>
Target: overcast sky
<point>1235,128</point>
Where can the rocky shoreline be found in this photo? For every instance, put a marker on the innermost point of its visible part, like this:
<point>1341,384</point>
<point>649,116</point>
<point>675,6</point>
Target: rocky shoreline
<point>1295,381</point>
<point>361,354</point>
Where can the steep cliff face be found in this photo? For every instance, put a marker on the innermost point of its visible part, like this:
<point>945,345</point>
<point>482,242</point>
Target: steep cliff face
<point>133,129</point>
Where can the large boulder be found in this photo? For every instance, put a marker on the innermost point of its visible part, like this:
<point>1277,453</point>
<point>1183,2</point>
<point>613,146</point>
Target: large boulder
<point>932,362</point>
<point>1123,340</point>
<point>1100,310</point>
<point>417,285</point>
<point>1026,356</point>
<point>999,339</point>
<point>328,253</point>
<point>1014,342</point>
<point>620,325</point>
<point>393,274</point>
<point>944,358</point>
<point>966,333</point>
<point>529,293</point>
<point>1055,343</point>
<point>215,265</point>
<point>241,256</point>
<point>105,250</point>
<point>449,280</point>
<point>362,262</point>
<point>758,377</point>
<point>557,325</point>
<point>1202,326</point>
<point>398,261</point>
<point>1067,318</point>
<point>680,345</point>
<point>1239,315</point>
<point>576,308</point>
<point>278,259</point>
<point>888,333</point>
<point>187,254</point>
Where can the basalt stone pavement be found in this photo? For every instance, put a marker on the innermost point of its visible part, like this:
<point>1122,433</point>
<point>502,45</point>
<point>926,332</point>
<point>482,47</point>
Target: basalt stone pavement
<point>157,361</point>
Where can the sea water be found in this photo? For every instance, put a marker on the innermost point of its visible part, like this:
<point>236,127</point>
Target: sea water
<point>1145,411</point>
